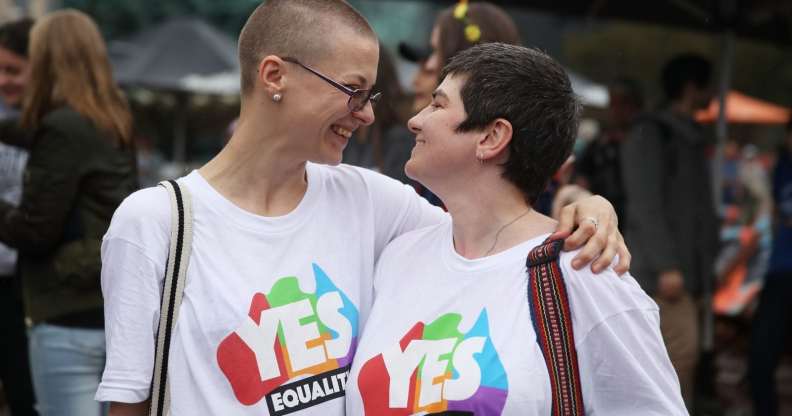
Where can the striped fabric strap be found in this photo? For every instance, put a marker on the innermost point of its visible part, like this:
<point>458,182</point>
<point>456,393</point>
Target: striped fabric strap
<point>173,289</point>
<point>552,320</point>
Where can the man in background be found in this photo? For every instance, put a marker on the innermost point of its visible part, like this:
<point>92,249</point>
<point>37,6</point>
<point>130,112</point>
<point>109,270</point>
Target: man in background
<point>671,220</point>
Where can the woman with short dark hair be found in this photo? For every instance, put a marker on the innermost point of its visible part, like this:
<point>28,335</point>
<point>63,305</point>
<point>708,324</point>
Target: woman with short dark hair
<point>466,315</point>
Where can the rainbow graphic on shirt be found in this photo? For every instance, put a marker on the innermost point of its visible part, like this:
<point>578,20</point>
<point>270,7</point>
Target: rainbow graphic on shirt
<point>436,368</point>
<point>294,348</point>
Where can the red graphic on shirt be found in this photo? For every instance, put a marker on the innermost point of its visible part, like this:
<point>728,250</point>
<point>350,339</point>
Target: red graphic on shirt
<point>238,362</point>
<point>374,381</point>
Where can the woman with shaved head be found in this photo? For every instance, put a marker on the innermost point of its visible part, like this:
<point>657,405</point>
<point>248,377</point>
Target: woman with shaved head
<point>284,238</point>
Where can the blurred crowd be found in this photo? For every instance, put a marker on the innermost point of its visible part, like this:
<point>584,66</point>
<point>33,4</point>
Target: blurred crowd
<point>67,160</point>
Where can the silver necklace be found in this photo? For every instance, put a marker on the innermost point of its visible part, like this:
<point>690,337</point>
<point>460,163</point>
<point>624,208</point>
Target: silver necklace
<point>503,227</point>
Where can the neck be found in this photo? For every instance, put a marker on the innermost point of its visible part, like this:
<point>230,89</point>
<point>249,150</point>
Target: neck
<point>492,216</point>
<point>256,171</point>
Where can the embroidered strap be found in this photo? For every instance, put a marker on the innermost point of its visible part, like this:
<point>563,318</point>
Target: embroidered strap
<point>173,289</point>
<point>552,320</point>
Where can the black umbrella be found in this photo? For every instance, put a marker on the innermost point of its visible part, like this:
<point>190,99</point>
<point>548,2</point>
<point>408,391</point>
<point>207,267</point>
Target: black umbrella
<point>164,56</point>
<point>182,56</point>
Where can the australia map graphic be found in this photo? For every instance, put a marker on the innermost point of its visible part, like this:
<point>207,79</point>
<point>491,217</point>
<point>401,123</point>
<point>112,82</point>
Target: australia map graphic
<point>294,348</point>
<point>435,368</point>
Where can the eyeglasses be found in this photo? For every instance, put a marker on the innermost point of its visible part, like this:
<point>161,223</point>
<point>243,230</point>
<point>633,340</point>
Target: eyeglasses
<point>357,98</point>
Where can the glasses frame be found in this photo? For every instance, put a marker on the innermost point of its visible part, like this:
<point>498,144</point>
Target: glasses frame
<point>364,95</point>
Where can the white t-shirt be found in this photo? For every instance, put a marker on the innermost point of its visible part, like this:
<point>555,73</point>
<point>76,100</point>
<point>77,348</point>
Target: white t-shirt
<point>272,307</point>
<point>451,334</point>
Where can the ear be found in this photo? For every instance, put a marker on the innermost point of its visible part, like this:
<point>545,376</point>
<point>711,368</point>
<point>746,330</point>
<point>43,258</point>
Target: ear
<point>270,74</point>
<point>494,144</point>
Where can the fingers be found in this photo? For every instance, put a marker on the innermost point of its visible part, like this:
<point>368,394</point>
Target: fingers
<point>585,230</point>
<point>588,214</point>
<point>566,220</point>
<point>597,233</point>
<point>606,258</point>
<point>625,258</point>
<point>594,247</point>
<point>558,235</point>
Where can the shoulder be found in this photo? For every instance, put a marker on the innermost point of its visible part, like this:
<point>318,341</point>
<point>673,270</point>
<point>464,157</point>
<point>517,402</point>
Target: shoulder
<point>355,177</point>
<point>416,241</point>
<point>64,127</point>
<point>650,125</point>
<point>63,118</point>
<point>385,194</point>
<point>593,298</point>
<point>143,218</point>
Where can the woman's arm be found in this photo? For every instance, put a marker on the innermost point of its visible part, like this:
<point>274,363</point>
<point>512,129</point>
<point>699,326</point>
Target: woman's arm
<point>129,409</point>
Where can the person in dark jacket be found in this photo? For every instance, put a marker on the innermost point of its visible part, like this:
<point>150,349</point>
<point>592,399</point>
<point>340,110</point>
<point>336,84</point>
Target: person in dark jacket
<point>672,226</point>
<point>81,167</point>
<point>14,363</point>
<point>770,323</point>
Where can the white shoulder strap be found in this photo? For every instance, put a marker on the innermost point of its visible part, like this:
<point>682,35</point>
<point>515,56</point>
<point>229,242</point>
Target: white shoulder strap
<point>175,278</point>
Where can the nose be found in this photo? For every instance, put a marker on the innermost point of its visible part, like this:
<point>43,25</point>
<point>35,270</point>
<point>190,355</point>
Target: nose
<point>365,114</point>
<point>414,123</point>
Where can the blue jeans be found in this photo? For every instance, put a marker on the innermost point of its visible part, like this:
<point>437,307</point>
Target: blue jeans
<point>67,365</point>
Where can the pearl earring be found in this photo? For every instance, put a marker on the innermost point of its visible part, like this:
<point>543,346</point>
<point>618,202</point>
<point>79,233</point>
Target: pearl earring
<point>276,97</point>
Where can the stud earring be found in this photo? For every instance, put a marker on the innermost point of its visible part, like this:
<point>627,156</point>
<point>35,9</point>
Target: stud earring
<point>480,157</point>
<point>277,97</point>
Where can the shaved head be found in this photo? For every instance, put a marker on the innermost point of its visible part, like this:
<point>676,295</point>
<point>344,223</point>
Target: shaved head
<point>300,29</point>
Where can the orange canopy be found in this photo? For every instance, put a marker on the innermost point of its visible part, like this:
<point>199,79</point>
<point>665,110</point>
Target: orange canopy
<point>741,108</point>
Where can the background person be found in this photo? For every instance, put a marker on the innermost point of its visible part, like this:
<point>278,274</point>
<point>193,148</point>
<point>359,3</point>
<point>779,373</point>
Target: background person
<point>14,361</point>
<point>771,321</point>
<point>671,221</point>
<point>81,166</point>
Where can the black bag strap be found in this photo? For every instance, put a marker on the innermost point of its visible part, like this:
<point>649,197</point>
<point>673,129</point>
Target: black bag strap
<point>173,289</point>
<point>552,321</point>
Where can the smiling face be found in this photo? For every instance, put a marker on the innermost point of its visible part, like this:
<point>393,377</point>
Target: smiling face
<point>441,152</point>
<point>317,114</point>
<point>14,76</point>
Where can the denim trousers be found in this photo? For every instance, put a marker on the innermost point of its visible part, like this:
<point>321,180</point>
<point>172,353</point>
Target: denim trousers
<point>67,365</point>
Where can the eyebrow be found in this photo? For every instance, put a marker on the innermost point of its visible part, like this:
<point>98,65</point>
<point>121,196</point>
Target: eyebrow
<point>439,93</point>
<point>357,78</point>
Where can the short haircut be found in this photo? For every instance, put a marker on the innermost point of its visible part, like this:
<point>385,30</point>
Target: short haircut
<point>295,28</point>
<point>15,36</point>
<point>684,69</point>
<point>530,90</point>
